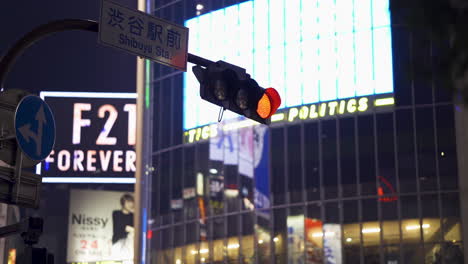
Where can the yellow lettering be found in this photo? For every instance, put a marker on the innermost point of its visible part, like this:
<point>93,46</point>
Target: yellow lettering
<point>191,135</point>
<point>293,113</point>
<point>332,106</point>
<point>363,106</point>
<point>351,106</point>
<point>213,130</point>
<point>205,134</point>
<point>304,112</point>
<point>323,109</point>
<point>198,134</point>
<point>342,107</point>
<point>313,111</point>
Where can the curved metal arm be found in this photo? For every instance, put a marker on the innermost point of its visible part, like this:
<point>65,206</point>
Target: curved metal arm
<point>38,33</point>
<point>57,26</point>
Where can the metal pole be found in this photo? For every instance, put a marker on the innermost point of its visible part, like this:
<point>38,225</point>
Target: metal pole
<point>141,155</point>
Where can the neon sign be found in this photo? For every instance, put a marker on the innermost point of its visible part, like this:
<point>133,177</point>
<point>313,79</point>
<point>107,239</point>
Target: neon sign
<point>97,140</point>
<point>390,196</point>
<point>309,112</point>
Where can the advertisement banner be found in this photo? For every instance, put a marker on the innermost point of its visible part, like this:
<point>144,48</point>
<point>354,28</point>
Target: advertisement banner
<point>314,241</point>
<point>246,152</point>
<point>295,239</point>
<point>97,139</point>
<point>332,243</point>
<point>261,167</point>
<point>100,226</point>
<point>224,146</point>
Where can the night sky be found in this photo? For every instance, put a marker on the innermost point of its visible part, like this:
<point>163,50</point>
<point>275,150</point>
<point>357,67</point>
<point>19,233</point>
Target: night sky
<point>66,61</point>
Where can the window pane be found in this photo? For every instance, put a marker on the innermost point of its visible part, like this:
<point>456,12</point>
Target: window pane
<point>219,227</point>
<point>191,252</point>
<point>426,149</point>
<point>164,195</point>
<point>329,158</point>
<point>204,252</point>
<point>231,188</point>
<point>405,145</point>
<point>295,184</point>
<point>410,218</point>
<point>413,253</point>
<point>311,161</point>
<point>352,243</point>
<point>247,247</point>
<point>179,239</point>
<point>177,255</point>
<point>392,254</point>
<point>263,234</point>
<point>370,230</point>
<point>154,194</point>
<point>167,245</point>
<point>280,235</point>
<point>431,219</point>
<point>451,217</point>
<point>218,250</point>
<point>421,63</point>
<point>296,231</point>
<point>277,173</point>
<point>367,177</point>
<point>401,64</point>
<point>176,176</point>
<point>314,232</point>
<point>348,156</point>
<point>386,157</point>
<point>233,249</point>
<point>446,152</point>
<point>390,224</point>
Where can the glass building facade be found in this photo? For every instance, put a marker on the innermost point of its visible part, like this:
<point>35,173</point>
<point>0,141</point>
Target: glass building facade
<point>374,186</point>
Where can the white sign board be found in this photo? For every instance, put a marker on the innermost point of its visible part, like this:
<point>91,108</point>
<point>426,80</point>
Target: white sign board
<point>143,35</point>
<point>332,243</point>
<point>100,226</point>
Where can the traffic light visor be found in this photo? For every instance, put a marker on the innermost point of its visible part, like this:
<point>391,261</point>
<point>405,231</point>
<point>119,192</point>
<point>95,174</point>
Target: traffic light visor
<point>268,103</point>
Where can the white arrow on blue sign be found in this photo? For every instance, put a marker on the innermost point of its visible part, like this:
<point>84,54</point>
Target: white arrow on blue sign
<point>35,127</point>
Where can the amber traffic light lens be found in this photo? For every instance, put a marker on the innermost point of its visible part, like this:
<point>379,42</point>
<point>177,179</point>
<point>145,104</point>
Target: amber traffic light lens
<point>264,106</point>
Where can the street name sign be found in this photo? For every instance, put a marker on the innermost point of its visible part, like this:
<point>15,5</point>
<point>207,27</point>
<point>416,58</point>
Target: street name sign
<point>143,35</point>
<point>35,127</point>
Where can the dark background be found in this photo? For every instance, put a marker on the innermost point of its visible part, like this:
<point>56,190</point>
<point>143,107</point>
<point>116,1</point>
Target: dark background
<point>65,61</point>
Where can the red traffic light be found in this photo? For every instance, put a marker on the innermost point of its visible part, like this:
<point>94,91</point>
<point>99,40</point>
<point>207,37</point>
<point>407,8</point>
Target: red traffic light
<point>268,103</point>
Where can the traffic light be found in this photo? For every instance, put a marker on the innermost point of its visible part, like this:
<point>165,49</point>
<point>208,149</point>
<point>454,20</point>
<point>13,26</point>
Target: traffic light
<point>230,87</point>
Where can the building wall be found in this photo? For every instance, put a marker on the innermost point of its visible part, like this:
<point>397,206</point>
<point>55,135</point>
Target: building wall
<point>387,179</point>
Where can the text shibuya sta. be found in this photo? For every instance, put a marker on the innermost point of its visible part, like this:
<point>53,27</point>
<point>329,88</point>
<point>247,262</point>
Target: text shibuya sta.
<point>145,48</point>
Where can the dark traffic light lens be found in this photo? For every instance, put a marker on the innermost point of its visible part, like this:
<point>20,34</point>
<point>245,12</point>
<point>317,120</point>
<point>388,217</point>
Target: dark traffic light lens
<point>242,99</point>
<point>219,89</point>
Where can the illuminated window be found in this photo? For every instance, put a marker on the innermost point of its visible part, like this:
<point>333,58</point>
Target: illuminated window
<point>326,53</point>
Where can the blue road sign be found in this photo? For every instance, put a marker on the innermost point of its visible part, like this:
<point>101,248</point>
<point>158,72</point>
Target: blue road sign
<point>35,127</point>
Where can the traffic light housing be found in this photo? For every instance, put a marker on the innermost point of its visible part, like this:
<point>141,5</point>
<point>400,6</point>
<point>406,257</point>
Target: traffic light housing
<point>230,87</point>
